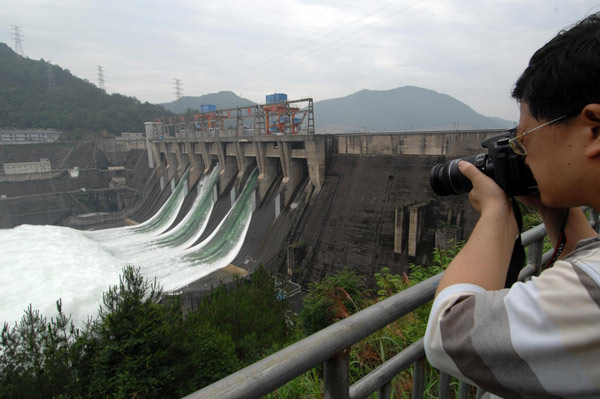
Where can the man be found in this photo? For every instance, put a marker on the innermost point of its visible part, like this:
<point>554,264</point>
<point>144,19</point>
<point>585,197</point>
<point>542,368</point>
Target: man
<point>539,339</point>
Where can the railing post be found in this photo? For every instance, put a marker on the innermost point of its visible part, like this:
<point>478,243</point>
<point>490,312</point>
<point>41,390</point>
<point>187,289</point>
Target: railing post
<point>463,390</point>
<point>419,379</point>
<point>335,376</point>
<point>444,386</point>
<point>534,256</point>
<point>385,392</point>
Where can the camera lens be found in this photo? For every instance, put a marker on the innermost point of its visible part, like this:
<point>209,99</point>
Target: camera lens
<point>447,179</point>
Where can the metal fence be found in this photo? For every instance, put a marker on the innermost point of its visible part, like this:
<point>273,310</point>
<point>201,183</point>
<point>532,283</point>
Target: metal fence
<point>330,347</point>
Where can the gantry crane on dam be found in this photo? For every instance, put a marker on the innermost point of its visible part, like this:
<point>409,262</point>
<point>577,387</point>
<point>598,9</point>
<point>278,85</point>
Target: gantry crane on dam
<point>277,116</point>
<point>278,137</point>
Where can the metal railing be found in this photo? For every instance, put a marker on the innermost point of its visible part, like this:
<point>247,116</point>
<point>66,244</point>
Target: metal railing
<point>330,347</point>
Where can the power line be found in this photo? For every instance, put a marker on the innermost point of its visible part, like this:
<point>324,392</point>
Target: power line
<point>333,39</point>
<point>307,45</point>
<point>315,38</point>
<point>101,78</point>
<point>18,36</point>
<point>178,89</point>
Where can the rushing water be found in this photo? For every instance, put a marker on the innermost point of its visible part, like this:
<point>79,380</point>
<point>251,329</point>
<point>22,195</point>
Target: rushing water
<point>41,264</point>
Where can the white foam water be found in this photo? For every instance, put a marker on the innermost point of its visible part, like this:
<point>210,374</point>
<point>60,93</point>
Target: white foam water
<point>41,264</point>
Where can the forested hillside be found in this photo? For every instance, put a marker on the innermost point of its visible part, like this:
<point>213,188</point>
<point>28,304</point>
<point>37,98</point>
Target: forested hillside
<point>30,98</point>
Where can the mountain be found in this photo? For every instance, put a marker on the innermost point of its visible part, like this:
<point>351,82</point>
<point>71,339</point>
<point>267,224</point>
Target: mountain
<point>37,94</point>
<point>504,122</point>
<point>222,100</point>
<point>400,109</point>
<point>404,108</point>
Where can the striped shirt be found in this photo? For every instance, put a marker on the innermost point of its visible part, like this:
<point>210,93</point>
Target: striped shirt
<point>538,339</point>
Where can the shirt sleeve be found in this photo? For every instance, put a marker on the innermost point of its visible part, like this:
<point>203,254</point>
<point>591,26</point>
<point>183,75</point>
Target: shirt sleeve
<point>537,339</point>
<point>434,349</point>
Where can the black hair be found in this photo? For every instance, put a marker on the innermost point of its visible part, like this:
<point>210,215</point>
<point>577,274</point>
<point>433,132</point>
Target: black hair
<point>564,75</point>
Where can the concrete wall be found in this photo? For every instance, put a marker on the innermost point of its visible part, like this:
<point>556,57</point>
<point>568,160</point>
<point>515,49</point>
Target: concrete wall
<point>377,211</point>
<point>55,152</point>
<point>451,143</point>
<point>116,149</point>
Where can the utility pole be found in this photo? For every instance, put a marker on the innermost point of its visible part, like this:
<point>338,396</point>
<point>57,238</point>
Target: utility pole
<point>101,78</point>
<point>51,82</point>
<point>178,89</point>
<point>16,33</point>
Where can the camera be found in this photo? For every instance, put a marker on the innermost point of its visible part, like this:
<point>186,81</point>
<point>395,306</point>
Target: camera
<point>500,163</point>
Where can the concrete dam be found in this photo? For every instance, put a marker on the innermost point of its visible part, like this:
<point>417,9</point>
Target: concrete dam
<point>321,203</point>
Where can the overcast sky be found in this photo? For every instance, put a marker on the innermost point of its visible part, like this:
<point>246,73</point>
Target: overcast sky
<point>473,50</point>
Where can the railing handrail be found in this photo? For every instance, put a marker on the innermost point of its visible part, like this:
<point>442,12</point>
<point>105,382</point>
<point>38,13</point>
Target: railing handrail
<point>273,371</point>
<point>322,347</point>
<point>388,370</point>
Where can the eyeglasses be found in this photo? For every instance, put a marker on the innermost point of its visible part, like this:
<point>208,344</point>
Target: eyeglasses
<point>516,143</point>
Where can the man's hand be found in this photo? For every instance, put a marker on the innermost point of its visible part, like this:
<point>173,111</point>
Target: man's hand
<point>485,257</point>
<point>486,195</point>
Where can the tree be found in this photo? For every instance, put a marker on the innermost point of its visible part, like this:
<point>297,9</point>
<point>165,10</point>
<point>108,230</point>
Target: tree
<point>211,357</point>
<point>135,347</point>
<point>35,357</point>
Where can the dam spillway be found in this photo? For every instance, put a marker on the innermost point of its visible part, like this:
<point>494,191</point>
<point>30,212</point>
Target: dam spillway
<point>42,264</point>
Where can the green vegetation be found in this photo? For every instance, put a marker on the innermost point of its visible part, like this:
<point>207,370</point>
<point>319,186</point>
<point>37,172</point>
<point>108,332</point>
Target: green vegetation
<point>75,106</point>
<point>330,300</point>
<point>251,314</point>
<point>532,218</point>
<point>338,296</point>
<point>142,346</point>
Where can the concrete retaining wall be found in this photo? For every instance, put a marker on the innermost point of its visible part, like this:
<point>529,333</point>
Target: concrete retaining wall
<point>116,150</point>
<point>451,144</point>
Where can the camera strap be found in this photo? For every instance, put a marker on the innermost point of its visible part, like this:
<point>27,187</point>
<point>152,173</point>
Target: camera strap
<point>560,245</point>
<point>517,260</point>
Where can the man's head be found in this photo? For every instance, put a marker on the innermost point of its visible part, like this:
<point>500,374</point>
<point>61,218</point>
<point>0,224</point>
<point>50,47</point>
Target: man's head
<point>563,79</point>
<point>564,75</point>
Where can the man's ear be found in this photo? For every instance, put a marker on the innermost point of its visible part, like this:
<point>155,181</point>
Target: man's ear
<point>590,116</point>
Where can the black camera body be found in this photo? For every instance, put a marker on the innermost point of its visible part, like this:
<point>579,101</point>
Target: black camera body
<point>500,163</point>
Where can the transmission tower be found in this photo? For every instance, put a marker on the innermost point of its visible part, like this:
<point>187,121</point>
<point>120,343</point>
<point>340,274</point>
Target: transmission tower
<point>178,89</point>
<point>51,82</point>
<point>16,33</point>
<point>101,78</point>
